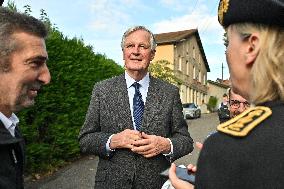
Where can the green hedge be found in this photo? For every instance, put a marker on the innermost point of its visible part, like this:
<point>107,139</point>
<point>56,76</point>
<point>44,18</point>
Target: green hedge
<point>212,103</point>
<point>51,127</point>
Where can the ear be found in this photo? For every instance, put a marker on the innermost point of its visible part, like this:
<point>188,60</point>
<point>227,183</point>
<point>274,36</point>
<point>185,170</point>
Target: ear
<point>123,54</point>
<point>153,52</point>
<point>252,49</point>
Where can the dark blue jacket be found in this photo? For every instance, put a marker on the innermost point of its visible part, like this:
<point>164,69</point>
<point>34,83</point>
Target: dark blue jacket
<point>11,159</point>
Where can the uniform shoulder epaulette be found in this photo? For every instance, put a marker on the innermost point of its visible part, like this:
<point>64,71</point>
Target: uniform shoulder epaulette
<point>242,124</point>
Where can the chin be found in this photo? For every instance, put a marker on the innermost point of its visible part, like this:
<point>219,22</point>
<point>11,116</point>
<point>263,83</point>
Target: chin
<point>27,104</point>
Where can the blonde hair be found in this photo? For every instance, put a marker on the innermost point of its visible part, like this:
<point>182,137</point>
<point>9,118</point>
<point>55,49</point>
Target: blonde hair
<point>267,72</point>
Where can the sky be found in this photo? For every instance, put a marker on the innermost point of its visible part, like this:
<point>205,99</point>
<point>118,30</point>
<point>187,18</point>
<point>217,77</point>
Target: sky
<point>101,23</point>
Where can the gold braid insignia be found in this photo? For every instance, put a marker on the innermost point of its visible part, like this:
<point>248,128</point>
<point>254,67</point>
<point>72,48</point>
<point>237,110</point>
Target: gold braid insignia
<point>223,8</point>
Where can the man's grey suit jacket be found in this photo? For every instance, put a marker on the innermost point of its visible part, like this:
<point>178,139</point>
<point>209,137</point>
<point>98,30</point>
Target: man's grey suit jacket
<point>109,113</point>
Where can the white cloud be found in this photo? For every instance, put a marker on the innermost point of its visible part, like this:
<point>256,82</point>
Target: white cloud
<point>209,29</point>
<point>107,16</point>
<point>179,5</point>
<point>174,4</point>
<point>189,21</point>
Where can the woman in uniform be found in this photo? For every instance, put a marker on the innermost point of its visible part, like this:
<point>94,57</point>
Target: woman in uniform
<point>248,150</point>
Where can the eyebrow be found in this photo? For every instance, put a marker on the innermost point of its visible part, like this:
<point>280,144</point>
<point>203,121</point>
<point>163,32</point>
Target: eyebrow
<point>41,58</point>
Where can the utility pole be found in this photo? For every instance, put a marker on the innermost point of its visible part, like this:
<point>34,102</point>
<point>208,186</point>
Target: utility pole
<point>222,71</point>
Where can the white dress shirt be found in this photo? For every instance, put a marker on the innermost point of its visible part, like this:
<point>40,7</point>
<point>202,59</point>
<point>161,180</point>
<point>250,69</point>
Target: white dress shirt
<point>10,123</point>
<point>144,85</point>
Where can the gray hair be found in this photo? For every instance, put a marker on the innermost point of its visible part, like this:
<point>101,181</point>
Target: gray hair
<point>135,28</point>
<point>11,23</point>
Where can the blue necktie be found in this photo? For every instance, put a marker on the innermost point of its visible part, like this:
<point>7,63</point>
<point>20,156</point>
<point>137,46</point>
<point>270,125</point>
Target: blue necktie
<point>138,107</point>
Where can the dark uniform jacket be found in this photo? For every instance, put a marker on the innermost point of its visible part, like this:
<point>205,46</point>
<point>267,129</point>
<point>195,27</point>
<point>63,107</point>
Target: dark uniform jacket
<point>252,161</point>
<point>11,159</point>
<point>224,113</point>
<point>109,113</point>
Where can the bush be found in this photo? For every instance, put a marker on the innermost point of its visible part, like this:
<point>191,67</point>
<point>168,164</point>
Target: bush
<point>212,103</point>
<point>51,127</point>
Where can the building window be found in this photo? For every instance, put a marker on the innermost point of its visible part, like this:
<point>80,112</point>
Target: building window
<point>195,97</point>
<point>191,95</point>
<point>187,48</point>
<point>204,79</point>
<point>193,52</point>
<point>194,76</point>
<point>187,94</point>
<point>179,63</point>
<point>199,76</point>
<point>187,67</point>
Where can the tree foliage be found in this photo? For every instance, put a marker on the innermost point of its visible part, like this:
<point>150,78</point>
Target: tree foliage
<point>12,6</point>
<point>225,39</point>
<point>212,103</point>
<point>160,69</point>
<point>51,127</point>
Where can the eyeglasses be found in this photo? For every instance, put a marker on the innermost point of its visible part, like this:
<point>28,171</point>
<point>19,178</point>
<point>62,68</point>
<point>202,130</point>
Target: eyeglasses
<point>236,103</point>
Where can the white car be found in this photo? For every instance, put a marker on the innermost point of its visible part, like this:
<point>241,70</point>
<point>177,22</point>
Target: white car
<point>191,110</point>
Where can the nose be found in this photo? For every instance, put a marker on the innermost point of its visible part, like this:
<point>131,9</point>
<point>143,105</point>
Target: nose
<point>136,50</point>
<point>242,108</point>
<point>44,75</point>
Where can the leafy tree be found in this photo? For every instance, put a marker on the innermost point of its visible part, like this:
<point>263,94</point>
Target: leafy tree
<point>225,39</point>
<point>12,6</point>
<point>160,69</point>
<point>212,103</point>
<point>28,9</point>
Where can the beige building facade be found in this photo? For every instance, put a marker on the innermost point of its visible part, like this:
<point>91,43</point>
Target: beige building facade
<point>183,49</point>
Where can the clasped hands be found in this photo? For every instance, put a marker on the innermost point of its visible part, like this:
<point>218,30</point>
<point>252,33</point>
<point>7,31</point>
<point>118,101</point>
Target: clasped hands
<point>140,143</point>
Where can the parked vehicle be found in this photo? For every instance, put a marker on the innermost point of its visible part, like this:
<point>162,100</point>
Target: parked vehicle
<point>191,110</point>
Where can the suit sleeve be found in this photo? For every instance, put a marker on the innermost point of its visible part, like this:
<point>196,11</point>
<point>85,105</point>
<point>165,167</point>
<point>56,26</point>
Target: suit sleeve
<point>180,137</point>
<point>91,139</point>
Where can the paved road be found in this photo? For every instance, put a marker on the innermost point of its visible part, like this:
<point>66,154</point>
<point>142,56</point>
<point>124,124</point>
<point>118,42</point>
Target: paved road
<point>81,174</point>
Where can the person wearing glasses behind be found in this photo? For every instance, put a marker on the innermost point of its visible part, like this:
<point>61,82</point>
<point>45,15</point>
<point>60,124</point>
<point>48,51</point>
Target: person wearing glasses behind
<point>248,150</point>
<point>237,103</point>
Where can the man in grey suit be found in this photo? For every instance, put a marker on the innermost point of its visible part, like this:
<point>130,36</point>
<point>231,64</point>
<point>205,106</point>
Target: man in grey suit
<point>134,121</point>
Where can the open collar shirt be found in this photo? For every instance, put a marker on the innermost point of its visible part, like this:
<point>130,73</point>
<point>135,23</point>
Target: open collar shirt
<point>10,123</point>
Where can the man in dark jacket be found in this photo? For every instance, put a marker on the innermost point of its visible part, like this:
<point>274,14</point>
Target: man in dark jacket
<point>223,110</point>
<point>23,71</point>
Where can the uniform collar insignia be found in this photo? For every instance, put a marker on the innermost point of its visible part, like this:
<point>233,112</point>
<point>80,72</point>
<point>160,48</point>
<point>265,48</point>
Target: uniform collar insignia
<point>242,124</point>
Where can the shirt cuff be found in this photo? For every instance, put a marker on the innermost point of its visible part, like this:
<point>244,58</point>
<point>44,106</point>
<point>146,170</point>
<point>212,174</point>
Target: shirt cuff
<point>108,150</point>
<point>172,149</point>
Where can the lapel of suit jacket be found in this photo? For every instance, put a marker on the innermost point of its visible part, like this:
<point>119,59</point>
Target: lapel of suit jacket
<point>153,102</point>
<point>124,120</point>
